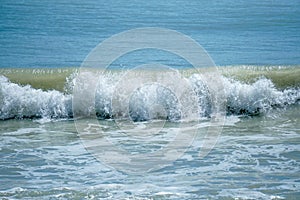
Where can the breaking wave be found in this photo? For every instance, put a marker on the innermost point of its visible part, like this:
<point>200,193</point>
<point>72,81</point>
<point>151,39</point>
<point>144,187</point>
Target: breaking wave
<point>149,102</point>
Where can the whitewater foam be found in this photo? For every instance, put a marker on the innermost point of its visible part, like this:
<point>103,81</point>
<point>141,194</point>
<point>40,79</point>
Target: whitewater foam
<point>149,102</point>
<point>25,102</point>
<point>258,97</point>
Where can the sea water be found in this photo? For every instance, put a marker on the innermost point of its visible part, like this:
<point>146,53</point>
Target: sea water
<point>44,156</point>
<point>61,33</point>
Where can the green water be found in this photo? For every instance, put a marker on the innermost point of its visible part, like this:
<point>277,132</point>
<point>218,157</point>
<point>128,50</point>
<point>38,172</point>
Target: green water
<point>55,78</point>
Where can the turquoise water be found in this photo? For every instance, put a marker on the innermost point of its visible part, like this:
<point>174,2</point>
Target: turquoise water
<point>46,154</point>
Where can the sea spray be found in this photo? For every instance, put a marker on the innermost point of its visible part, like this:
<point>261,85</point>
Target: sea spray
<point>26,102</point>
<point>149,102</point>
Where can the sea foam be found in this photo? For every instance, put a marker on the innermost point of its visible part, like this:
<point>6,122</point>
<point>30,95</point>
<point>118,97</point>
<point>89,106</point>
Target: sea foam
<point>152,101</point>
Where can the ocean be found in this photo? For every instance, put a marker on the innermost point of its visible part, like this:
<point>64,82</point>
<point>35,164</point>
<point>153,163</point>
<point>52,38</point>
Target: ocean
<point>149,100</point>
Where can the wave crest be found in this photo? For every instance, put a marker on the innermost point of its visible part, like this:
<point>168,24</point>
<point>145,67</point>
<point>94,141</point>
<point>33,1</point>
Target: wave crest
<point>149,102</point>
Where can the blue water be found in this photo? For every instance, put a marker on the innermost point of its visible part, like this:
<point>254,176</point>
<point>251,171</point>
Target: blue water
<point>61,33</point>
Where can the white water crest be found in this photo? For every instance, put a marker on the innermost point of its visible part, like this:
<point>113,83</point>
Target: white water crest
<point>18,101</point>
<point>152,101</point>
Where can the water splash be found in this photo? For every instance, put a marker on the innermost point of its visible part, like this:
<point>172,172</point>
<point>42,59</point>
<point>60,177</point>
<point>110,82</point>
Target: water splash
<point>148,102</point>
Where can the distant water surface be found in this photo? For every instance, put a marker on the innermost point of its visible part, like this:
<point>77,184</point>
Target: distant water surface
<point>61,33</point>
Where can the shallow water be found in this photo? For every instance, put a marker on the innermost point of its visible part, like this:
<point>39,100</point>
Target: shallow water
<point>254,158</point>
